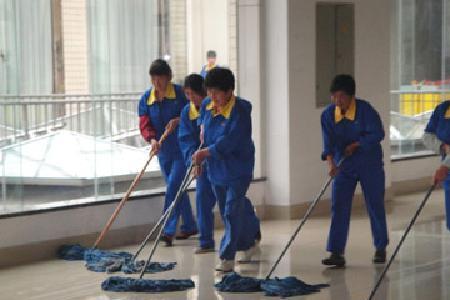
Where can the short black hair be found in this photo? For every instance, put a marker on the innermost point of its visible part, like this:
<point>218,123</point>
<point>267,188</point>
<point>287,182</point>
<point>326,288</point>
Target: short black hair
<point>196,83</point>
<point>345,83</point>
<point>211,53</point>
<point>220,78</point>
<point>160,67</point>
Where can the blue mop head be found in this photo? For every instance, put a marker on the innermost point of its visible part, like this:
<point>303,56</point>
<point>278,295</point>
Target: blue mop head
<point>71,252</point>
<point>92,256</point>
<point>78,252</point>
<point>236,283</point>
<point>101,261</point>
<point>108,261</point>
<point>153,267</point>
<point>128,284</point>
<point>289,286</point>
<point>282,287</point>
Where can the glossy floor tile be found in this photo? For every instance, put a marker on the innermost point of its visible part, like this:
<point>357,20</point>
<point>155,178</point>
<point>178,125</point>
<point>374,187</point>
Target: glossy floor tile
<point>421,270</point>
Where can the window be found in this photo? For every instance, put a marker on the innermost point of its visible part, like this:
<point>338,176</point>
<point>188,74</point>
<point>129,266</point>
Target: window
<point>71,76</point>
<point>420,70</point>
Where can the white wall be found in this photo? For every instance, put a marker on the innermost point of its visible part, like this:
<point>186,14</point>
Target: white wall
<point>74,17</point>
<point>207,23</point>
<point>277,102</point>
<point>295,172</point>
<point>249,41</point>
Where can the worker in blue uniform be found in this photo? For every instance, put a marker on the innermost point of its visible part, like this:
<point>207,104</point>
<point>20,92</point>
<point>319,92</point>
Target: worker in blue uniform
<point>437,139</point>
<point>230,155</point>
<point>159,109</point>
<point>189,140</point>
<point>352,128</point>
<point>211,57</point>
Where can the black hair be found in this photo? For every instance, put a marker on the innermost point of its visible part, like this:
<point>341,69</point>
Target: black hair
<point>160,67</point>
<point>345,83</point>
<point>196,83</point>
<point>220,78</point>
<point>211,53</point>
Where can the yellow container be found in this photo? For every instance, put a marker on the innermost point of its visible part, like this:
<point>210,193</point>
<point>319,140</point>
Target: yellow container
<point>413,104</point>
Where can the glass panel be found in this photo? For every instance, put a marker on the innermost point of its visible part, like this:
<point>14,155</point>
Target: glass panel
<point>71,75</point>
<point>25,47</point>
<point>123,40</point>
<point>419,80</point>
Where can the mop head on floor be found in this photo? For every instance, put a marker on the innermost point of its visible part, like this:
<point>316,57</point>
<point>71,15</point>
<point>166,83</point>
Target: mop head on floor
<point>289,286</point>
<point>236,283</point>
<point>71,252</point>
<point>78,252</point>
<point>128,284</point>
<point>281,287</point>
<point>96,255</point>
<point>128,267</point>
<point>108,261</point>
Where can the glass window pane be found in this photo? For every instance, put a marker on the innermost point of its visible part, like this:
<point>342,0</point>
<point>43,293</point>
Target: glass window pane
<point>419,51</point>
<point>71,75</point>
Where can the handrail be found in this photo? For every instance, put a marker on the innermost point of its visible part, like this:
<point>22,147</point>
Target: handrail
<point>66,95</point>
<point>72,101</point>
<point>106,117</point>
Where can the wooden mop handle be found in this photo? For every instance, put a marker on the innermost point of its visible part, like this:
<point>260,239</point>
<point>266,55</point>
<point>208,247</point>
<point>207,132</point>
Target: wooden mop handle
<point>127,194</point>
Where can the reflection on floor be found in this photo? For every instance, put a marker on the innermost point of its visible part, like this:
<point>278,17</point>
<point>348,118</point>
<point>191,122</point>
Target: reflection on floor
<point>421,270</point>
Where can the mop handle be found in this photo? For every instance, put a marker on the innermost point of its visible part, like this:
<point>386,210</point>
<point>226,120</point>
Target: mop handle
<point>182,189</point>
<point>147,238</point>
<point>305,218</point>
<point>127,194</point>
<point>161,219</point>
<point>413,220</point>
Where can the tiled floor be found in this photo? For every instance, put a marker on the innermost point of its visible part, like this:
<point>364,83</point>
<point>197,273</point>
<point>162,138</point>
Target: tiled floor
<point>421,270</point>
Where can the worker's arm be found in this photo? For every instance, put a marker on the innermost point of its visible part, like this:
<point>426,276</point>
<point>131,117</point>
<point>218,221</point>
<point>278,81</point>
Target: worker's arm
<point>373,132</point>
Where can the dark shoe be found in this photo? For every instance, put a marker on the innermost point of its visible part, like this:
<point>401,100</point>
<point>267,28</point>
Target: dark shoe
<point>167,239</point>
<point>379,257</point>
<point>185,235</point>
<point>335,260</point>
<point>203,250</point>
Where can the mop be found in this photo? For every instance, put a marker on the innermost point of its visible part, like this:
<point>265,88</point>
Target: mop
<point>282,287</point>
<point>410,225</point>
<point>111,262</point>
<point>100,260</point>
<point>124,284</point>
<point>129,284</point>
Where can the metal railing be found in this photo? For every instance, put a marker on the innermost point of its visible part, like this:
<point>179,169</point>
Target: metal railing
<point>110,116</point>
